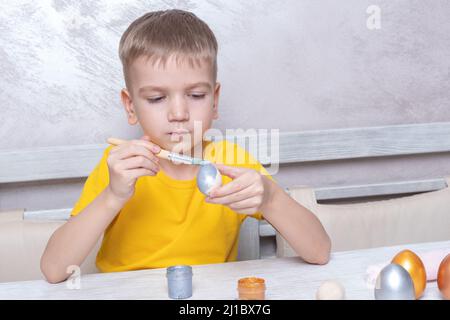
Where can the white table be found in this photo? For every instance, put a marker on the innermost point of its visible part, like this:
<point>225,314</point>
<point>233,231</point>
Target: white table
<point>286,278</point>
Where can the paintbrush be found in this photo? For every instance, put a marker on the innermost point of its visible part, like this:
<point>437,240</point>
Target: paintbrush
<point>164,154</point>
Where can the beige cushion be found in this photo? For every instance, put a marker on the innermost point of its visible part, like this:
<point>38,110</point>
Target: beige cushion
<point>419,218</point>
<point>22,245</point>
<point>11,215</point>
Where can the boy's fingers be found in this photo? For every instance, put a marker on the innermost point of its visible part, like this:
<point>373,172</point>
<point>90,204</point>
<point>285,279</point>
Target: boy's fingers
<point>136,173</point>
<point>146,143</point>
<point>229,171</point>
<point>139,162</point>
<point>229,188</point>
<point>135,150</point>
<point>231,198</point>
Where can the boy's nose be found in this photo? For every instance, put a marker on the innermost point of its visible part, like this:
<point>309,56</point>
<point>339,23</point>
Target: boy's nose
<point>178,111</point>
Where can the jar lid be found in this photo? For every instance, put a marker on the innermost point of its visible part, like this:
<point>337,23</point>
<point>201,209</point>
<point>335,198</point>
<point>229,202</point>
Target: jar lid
<point>251,282</point>
<point>179,270</point>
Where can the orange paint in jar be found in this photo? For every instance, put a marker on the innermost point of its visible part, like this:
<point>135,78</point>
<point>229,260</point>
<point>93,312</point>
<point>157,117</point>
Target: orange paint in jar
<point>251,288</point>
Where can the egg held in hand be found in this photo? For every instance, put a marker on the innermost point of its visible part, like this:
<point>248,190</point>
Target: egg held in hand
<point>208,178</point>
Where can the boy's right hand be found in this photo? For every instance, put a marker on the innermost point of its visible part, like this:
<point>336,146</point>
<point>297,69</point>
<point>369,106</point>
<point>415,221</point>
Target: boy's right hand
<point>129,161</point>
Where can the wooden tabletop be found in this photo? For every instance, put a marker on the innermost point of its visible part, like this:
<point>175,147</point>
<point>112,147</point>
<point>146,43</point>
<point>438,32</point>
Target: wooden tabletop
<point>286,278</point>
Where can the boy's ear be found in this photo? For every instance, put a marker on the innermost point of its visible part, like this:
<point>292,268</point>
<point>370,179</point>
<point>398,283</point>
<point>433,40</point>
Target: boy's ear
<point>216,101</point>
<point>129,106</point>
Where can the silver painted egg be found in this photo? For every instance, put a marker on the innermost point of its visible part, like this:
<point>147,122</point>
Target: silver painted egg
<point>394,283</point>
<point>208,177</point>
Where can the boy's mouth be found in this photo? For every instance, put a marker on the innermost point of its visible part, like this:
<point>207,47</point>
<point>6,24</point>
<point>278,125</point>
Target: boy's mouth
<point>176,135</point>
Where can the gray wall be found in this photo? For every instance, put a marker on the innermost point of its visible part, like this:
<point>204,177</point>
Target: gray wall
<point>290,65</point>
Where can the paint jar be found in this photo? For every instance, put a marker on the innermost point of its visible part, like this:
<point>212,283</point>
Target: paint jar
<point>179,281</point>
<point>251,288</point>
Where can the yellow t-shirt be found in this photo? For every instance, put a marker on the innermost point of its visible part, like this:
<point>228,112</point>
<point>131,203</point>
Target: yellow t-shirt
<point>167,222</point>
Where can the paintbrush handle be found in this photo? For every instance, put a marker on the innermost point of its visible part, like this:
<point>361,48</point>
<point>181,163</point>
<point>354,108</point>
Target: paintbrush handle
<point>164,154</point>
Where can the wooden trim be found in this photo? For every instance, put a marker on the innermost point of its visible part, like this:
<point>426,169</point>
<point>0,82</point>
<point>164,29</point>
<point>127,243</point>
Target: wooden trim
<point>379,189</point>
<point>336,144</point>
<point>48,215</point>
<point>40,164</point>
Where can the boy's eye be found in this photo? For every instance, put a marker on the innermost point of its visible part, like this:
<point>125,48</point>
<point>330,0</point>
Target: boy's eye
<point>155,99</point>
<point>197,95</point>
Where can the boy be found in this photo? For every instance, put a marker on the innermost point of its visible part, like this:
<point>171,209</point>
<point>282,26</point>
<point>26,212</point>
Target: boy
<point>150,211</point>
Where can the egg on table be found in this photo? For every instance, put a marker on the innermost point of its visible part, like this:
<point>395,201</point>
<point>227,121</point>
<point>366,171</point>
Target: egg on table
<point>330,290</point>
<point>416,269</point>
<point>394,283</point>
<point>443,278</point>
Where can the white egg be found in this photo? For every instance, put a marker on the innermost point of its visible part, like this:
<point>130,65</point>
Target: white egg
<point>208,177</point>
<point>330,290</point>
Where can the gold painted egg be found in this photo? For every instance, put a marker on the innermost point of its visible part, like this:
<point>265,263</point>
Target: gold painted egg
<point>416,269</point>
<point>444,277</point>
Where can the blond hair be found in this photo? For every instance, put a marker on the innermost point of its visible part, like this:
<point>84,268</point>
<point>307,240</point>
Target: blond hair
<point>160,34</point>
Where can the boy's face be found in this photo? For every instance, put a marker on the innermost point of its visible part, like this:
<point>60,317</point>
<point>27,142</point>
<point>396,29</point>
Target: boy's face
<point>167,99</point>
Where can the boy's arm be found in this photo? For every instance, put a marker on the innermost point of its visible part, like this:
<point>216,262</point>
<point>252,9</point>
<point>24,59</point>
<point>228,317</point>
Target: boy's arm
<point>72,242</point>
<point>250,192</point>
<point>299,226</point>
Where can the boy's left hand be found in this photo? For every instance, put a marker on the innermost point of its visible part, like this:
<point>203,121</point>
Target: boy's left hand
<point>247,193</point>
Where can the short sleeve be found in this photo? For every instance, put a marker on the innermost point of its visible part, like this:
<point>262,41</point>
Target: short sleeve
<point>97,181</point>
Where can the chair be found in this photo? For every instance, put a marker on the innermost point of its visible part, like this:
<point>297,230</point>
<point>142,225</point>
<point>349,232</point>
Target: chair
<point>24,241</point>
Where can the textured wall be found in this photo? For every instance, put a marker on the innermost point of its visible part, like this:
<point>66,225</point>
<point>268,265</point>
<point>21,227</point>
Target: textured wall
<point>291,65</point>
